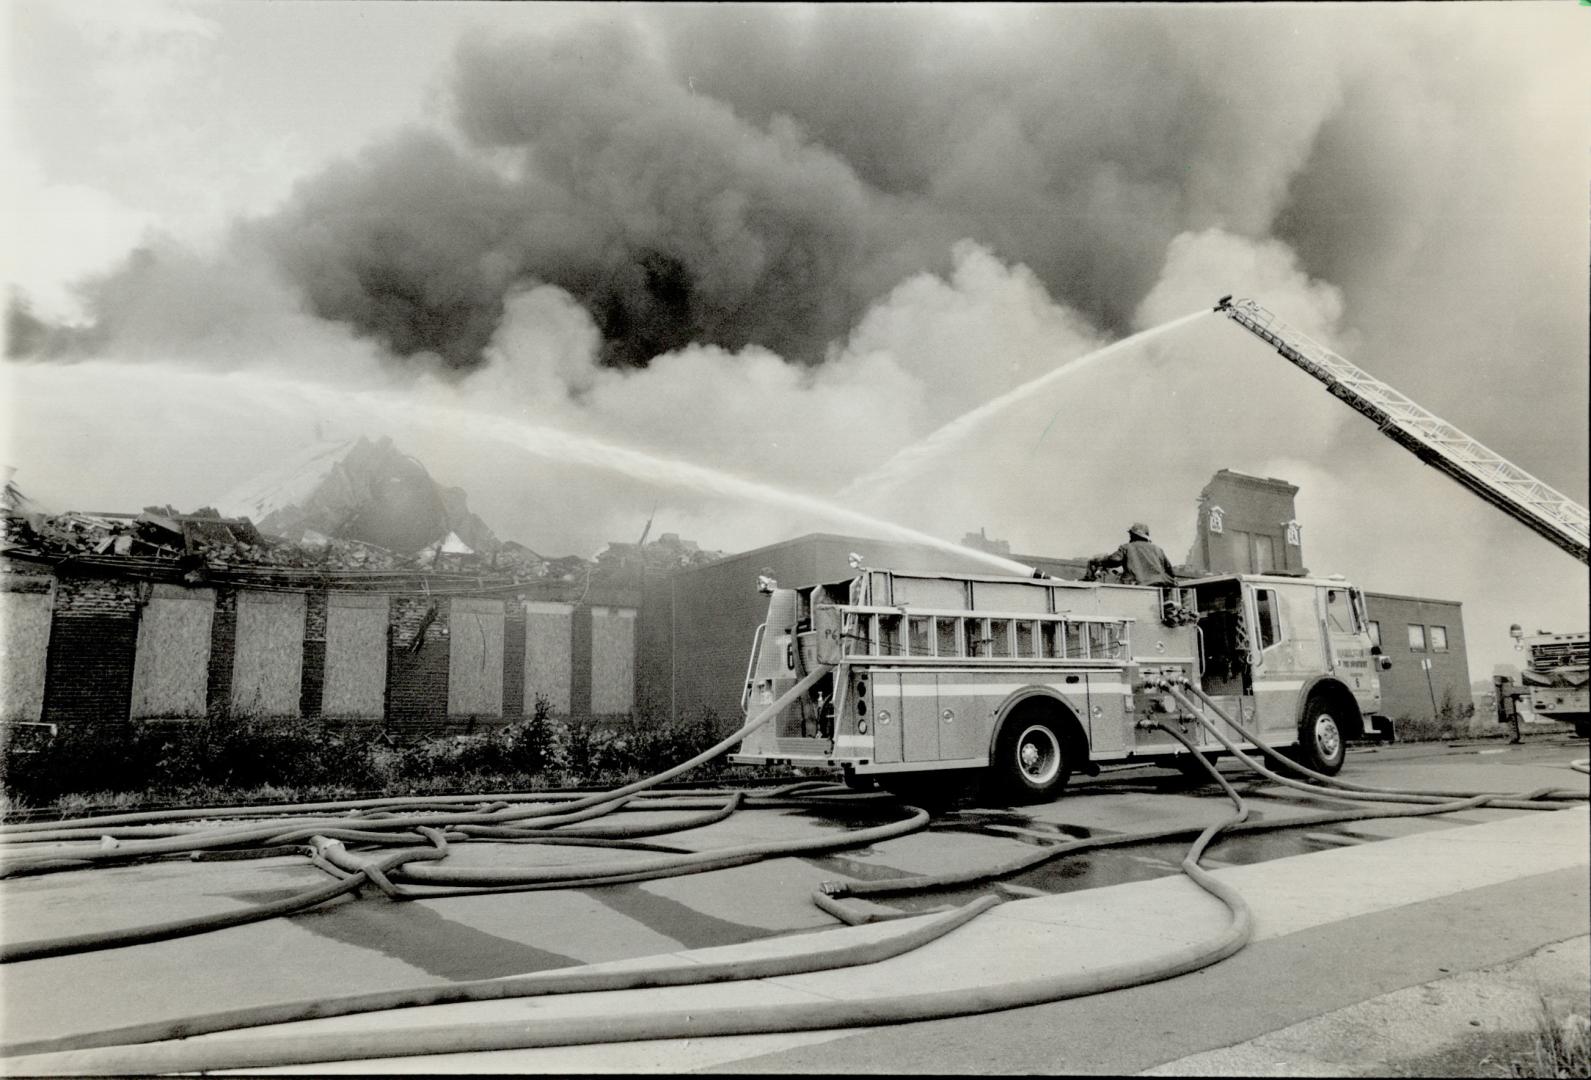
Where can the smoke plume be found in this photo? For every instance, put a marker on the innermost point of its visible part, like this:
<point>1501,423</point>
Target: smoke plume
<point>793,239</point>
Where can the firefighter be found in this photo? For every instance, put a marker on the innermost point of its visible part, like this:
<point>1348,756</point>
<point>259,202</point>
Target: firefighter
<point>1141,560</point>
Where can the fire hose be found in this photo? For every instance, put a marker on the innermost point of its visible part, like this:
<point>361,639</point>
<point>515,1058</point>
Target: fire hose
<point>450,1038</point>
<point>454,1038</point>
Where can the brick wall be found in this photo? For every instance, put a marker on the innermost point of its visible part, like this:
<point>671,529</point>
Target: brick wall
<point>1404,689</point>
<point>313,681</point>
<point>580,662</point>
<point>223,646</point>
<point>654,647</point>
<point>417,665</point>
<point>513,660</point>
<point>1243,526</point>
<point>93,639</point>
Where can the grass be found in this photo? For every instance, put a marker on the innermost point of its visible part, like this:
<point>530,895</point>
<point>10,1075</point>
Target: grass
<point>1561,1047</point>
<point>1558,1047</point>
<point>220,762</point>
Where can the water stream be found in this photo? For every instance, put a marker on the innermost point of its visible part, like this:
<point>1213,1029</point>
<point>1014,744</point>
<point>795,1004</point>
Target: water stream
<point>268,394</point>
<point>907,460</point>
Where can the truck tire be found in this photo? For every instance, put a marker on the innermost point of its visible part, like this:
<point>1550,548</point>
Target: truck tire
<point>1321,746</point>
<point>1031,763</point>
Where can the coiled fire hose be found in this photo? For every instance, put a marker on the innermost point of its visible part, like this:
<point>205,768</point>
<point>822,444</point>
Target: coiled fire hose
<point>1341,789</point>
<point>242,1053</point>
<point>272,834</point>
<point>245,1052</point>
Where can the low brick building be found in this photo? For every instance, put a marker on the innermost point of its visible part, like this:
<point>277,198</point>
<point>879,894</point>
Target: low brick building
<point>89,642</point>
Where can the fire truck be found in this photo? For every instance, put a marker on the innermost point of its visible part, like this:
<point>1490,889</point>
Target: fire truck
<point>1026,681</point>
<point>1554,680</point>
<point>906,675</point>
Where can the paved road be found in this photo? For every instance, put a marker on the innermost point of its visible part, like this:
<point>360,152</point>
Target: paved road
<point>1384,936</point>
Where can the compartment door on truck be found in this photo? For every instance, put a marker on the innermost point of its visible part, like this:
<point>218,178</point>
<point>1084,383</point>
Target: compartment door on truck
<point>886,717</point>
<point>1102,707</point>
<point>919,706</point>
<point>1288,651</point>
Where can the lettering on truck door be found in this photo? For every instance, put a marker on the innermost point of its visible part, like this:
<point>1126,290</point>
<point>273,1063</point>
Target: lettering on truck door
<point>1347,651</point>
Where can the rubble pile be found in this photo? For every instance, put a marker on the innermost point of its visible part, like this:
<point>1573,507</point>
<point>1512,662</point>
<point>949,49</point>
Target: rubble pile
<point>333,525</point>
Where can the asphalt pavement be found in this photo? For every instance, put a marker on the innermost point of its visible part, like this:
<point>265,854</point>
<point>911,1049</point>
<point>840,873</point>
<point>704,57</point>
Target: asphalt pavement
<point>1346,918</point>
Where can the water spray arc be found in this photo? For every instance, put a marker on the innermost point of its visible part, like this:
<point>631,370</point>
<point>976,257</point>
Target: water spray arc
<point>946,436</point>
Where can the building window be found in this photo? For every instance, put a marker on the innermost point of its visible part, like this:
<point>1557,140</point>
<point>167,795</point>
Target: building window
<point>1375,631</point>
<point>1439,639</point>
<point>1416,638</point>
<point>1264,553</point>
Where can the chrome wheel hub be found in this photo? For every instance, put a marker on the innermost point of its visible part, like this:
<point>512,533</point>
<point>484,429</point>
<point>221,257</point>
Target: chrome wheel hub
<point>1327,738</point>
<point>1038,754</point>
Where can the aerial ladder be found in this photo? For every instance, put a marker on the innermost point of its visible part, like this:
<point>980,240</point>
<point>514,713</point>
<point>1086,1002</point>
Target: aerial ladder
<point>1433,440</point>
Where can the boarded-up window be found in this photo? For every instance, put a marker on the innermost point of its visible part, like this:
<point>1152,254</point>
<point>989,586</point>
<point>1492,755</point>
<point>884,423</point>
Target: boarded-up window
<point>268,661</point>
<point>356,656</point>
<point>172,665</point>
<point>24,635</point>
<point>475,657</point>
<point>548,668</point>
<point>612,660</point>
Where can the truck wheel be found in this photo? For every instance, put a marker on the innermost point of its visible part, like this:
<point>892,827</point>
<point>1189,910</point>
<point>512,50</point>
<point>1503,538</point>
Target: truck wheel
<point>1031,761</point>
<point>1320,743</point>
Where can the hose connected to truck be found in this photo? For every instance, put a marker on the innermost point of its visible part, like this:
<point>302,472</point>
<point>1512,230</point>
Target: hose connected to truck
<point>129,1049</point>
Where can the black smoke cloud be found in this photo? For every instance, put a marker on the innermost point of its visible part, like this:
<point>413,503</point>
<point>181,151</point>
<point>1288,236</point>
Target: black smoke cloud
<point>738,175</point>
<point>669,217</point>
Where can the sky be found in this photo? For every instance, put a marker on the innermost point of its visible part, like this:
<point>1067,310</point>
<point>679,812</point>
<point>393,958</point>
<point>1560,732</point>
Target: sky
<point>576,257</point>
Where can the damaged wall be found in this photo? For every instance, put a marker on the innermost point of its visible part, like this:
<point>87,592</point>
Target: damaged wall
<point>120,649</point>
<point>268,658</point>
<point>88,676</point>
<point>171,665</point>
<point>417,663</point>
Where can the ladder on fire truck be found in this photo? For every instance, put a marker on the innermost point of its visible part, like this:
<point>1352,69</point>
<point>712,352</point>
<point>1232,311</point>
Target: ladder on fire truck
<point>1432,439</point>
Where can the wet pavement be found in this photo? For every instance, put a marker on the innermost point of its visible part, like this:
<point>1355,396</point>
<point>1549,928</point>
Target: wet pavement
<point>370,942</point>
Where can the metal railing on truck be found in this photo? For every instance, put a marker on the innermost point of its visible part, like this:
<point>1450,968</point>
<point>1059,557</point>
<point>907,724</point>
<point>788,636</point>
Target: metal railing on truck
<point>894,634</point>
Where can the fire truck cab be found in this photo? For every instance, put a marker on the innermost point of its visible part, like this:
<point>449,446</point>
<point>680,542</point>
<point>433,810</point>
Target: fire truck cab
<point>1028,680</point>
